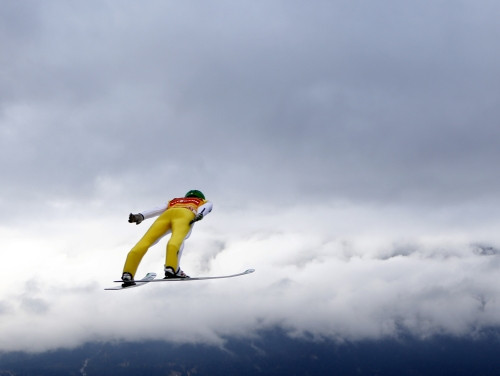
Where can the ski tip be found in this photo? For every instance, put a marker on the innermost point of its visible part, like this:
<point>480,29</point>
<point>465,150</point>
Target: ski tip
<point>248,271</point>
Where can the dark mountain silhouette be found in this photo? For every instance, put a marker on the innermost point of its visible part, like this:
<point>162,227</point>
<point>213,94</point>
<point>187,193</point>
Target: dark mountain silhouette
<point>271,353</point>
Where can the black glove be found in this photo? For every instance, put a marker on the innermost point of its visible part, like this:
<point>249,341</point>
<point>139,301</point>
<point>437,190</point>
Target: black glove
<point>197,218</point>
<point>137,218</point>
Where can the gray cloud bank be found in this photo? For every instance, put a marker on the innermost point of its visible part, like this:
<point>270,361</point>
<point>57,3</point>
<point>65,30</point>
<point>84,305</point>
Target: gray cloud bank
<point>360,101</point>
<point>350,149</point>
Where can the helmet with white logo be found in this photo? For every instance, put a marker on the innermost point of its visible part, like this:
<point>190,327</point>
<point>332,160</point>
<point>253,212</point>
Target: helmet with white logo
<point>195,193</point>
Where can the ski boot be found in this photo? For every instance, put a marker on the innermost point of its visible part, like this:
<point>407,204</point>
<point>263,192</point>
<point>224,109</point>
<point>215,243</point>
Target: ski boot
<point>170,273</point>
<point>128,280</point>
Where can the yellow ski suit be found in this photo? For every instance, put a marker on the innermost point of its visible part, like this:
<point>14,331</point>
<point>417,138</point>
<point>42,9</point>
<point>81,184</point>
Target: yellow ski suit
<point>174,217</point>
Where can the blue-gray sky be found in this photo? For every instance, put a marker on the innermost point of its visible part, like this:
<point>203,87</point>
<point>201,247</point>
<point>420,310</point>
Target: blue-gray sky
<point>350,149</point>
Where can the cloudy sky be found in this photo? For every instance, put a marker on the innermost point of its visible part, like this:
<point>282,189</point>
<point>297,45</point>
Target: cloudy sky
<point>350,149</point>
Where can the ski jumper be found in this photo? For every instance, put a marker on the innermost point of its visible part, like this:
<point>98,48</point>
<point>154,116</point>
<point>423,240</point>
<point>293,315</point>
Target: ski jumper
<point>174,217</point>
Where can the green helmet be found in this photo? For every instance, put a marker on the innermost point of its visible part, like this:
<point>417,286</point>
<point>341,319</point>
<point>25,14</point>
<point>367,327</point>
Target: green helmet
<point>195,193</point>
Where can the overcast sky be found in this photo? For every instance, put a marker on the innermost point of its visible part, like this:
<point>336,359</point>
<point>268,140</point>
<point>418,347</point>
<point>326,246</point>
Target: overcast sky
<point>350,149</point>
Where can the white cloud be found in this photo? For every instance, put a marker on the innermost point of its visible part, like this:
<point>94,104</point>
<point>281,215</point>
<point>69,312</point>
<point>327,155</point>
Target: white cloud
<point>307,280</point>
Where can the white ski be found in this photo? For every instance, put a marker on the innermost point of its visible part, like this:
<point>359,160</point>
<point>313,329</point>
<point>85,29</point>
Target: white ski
<point>248,271</point>
<point>150,277</point>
